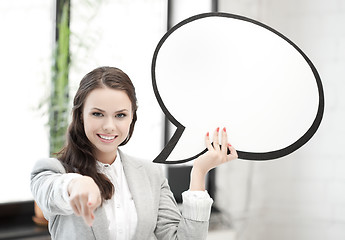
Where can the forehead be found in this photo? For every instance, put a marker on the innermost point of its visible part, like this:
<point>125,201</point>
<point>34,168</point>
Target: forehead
<point>108,99</point>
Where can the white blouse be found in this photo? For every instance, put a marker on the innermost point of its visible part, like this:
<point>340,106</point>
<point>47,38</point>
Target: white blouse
<point>120,209</point>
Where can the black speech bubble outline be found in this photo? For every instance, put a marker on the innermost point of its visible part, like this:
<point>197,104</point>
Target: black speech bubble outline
<point>256,156</point>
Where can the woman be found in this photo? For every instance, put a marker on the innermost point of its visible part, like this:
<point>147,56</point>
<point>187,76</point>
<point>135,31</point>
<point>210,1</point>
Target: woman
<point>95,191</point>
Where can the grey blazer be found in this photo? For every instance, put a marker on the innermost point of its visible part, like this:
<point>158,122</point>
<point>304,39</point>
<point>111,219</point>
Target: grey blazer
<point>158,214</point>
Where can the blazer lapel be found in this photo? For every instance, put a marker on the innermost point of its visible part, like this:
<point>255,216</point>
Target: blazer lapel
<point>141,191</point>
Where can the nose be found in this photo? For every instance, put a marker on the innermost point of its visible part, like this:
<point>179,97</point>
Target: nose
<point>109,125</point>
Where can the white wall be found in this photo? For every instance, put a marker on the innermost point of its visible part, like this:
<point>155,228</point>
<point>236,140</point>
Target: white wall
<point>301,196</point>
<point>25,48</point>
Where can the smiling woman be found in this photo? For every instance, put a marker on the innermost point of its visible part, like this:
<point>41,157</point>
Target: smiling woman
<point>96,129</point>
<point>95,189</point>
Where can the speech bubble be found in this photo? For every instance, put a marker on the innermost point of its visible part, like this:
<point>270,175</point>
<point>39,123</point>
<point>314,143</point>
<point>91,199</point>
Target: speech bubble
<point>223,70</point>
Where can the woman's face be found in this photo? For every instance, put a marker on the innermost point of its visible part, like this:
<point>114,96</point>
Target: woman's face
<point>107,115</point>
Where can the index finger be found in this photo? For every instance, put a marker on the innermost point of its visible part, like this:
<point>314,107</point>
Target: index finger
<point>86,212</point>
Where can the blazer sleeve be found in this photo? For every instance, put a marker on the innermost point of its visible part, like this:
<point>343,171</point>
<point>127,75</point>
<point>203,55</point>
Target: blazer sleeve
<point>171,224</point>
<point>49,182</point>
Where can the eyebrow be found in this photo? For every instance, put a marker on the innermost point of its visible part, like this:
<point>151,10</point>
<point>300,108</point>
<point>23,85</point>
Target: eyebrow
<point>100,110</point>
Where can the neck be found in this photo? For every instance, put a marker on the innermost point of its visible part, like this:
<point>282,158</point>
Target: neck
<point>107,158</point>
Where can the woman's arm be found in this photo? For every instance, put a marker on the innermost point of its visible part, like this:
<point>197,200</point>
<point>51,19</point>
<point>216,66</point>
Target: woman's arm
<point>193,223</point>
<point>49,182</point>
<point>60,193</point>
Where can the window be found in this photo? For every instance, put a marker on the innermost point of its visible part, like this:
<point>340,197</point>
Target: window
<point>25,48</point>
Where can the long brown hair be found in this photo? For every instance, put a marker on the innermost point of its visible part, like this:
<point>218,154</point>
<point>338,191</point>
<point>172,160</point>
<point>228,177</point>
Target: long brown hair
<point>78,154</point>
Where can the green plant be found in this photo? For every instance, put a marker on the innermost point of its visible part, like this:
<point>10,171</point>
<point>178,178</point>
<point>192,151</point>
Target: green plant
<point>59,98</point>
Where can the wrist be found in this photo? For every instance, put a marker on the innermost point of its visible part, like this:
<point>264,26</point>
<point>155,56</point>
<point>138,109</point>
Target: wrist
<point>196,171</point>
<point>197,180</point>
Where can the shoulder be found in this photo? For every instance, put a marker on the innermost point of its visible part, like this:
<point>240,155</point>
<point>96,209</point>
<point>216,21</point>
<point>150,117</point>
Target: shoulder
<point>48,164</point>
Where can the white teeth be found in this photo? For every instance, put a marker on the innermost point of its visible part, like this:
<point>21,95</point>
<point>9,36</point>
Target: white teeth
<point>106,138</point>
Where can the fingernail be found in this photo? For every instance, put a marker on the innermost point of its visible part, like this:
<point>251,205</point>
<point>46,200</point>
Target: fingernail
<point>229,144</point>
<point>207,134</point>
<point>224,129</point>
<point>218,129</point>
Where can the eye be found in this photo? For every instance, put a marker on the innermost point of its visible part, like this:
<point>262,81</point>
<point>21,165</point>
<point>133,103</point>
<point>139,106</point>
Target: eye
<point>97,114</point>
<point>120,115</point>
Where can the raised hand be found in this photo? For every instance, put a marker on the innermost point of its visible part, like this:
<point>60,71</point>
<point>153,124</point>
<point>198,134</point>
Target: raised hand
<point>216,155</point>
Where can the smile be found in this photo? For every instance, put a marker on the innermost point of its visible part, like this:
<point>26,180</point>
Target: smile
<point>107,138</point>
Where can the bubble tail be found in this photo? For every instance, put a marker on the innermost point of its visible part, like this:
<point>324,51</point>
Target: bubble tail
<point>163,156</point>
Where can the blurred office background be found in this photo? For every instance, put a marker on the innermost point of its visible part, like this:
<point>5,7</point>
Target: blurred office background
<point>300,196</point>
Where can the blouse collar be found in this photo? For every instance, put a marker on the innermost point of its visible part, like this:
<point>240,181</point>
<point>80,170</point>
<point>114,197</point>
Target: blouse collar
<point>117,164</point>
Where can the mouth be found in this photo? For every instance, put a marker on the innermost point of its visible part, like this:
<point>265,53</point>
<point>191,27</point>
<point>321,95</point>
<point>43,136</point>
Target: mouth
<point>107,138</point>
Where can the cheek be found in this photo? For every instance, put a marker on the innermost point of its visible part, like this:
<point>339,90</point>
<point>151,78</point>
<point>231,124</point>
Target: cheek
<point>89,126</point>
<point>125,126</point>
<point>87,131</point>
